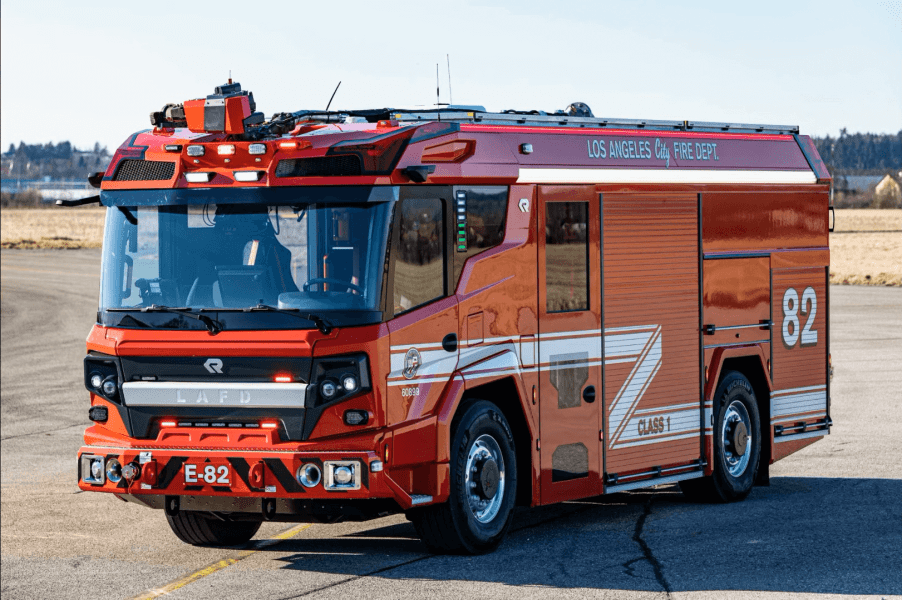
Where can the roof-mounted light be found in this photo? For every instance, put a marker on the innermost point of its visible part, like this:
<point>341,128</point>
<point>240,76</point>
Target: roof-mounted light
<point>195,150</point>
<point>199,177</point>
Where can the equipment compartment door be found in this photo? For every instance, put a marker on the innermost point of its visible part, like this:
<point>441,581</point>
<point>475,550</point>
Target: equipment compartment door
<point>569,342</point>
<point>652,377</point>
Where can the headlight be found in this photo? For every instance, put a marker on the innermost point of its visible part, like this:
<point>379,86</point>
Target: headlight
<point>114,470</point>
<point>102,376</point>
<point>337,378</point>
<point>328,390</point>
<point>349,383</point>
<point>109,387</point>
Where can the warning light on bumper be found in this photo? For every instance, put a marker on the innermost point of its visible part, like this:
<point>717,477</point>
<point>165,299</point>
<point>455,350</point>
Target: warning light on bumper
<point>248,175</point>
<point>199,177</point>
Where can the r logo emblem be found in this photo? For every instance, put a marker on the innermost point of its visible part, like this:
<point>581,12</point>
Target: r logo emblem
<point>214,365</point>
<point>524,205</point>
<point>411,363</point>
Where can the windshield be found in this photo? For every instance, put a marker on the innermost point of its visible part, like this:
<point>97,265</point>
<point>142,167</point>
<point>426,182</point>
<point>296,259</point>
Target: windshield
<point>322,259</point>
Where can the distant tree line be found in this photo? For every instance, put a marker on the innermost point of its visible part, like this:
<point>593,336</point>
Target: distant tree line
<point>56,161</point>
<point>861,153</point>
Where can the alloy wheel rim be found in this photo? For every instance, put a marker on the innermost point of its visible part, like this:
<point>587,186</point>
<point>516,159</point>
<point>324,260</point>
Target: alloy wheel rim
<point>481,452</point>
<point>736,421</point>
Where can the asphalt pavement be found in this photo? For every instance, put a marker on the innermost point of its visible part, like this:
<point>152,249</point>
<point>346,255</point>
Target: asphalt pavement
<point>829,524</point>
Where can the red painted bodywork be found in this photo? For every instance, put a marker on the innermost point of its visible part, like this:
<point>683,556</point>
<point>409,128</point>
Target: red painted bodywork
<point>674,256</point>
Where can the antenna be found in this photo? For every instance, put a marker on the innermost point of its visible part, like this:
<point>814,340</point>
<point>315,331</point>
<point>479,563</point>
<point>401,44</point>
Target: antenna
<point>450,95</point>
<point>436,87</point>
<point>230,76</point>
<point>333,96</point>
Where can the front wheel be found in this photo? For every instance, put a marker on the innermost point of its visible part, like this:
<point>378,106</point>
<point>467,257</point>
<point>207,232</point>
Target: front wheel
<point>480,507</point>
<point>195,529</point>
<point>737,444</point>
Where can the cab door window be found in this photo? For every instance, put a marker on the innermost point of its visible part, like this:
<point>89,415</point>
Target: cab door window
<point>419,275</point>
<point>566,256</point>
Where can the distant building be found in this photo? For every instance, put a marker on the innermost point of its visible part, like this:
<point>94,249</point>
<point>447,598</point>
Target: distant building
<point>888,192</point>
<point>856,184</point>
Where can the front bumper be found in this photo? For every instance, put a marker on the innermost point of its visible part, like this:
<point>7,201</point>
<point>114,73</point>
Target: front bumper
<point>240,480</point>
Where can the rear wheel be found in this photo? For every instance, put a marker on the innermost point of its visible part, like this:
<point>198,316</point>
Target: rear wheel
<point>480,507</point>
<point>737,444</point>
<point>198,530</point>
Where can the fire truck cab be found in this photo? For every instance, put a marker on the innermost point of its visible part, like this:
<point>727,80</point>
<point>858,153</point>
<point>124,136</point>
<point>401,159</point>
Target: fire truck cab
<point>449,312</point>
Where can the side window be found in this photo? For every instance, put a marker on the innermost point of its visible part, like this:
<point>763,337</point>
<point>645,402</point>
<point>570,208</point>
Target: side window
<point>420,263</point>
<point>566,256</point>
<point>479,215</point>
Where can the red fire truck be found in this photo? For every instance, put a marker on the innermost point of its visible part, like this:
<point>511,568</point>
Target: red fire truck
<point>448,312</point>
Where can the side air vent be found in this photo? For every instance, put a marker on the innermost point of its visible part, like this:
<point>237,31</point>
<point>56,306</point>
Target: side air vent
<point>144,170</point>
<point>320,166</point>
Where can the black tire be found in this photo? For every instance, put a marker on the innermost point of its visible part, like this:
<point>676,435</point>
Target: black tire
<point>725,485</point>
<point>453,527</point>
<point>195,529</point>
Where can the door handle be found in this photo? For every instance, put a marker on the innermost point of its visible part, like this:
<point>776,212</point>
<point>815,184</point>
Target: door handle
<point>589,394</point>
<point>449,343</point>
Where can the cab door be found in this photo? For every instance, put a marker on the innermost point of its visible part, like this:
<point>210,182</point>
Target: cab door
<point>424,330</point>
<point>569,342</point>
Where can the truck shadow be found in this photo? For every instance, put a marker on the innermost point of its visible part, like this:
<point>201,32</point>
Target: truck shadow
<point>815,535</point>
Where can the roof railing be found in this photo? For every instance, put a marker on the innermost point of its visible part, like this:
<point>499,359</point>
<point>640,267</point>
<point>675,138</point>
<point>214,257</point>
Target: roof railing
<point>552,120</point>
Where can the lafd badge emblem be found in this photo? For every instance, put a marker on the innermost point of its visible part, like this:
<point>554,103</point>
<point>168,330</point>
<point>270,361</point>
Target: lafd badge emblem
<point>411,363</point>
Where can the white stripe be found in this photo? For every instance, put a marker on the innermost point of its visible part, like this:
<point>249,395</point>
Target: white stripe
<point>632,390</point>
<point>797,390</point>
<point>420,347</point>
<point>630,344</point>
<point>577,175</point>
<point>798,403</point>
<point>210,393</point>
<point>550,349</point>
<point>614,361</point>
<point>685,436</point>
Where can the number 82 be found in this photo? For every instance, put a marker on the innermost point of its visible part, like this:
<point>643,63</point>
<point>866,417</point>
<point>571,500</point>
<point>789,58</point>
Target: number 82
<point>791,310</point>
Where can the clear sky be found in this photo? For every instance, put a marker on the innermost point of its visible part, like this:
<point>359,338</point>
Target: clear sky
<point>93,71</point>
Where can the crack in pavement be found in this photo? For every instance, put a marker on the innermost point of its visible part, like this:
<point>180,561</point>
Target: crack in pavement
<point>647,554</point>
<point>12,437</point>
<point>426,557</point>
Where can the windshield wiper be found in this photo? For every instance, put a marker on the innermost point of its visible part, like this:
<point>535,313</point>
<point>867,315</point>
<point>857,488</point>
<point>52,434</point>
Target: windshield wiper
<point>324,327</point>
<point>213,326</point>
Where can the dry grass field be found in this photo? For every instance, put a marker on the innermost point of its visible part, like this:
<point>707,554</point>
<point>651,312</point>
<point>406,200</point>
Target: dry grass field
<point>865,249</point>
<point>32,228</point>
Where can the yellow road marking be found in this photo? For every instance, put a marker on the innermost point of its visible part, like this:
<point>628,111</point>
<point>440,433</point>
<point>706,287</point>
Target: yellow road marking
<point>220,564</point>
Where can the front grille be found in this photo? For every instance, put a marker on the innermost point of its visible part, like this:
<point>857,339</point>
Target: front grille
<point>144,170</point>
<point>320,166</point>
